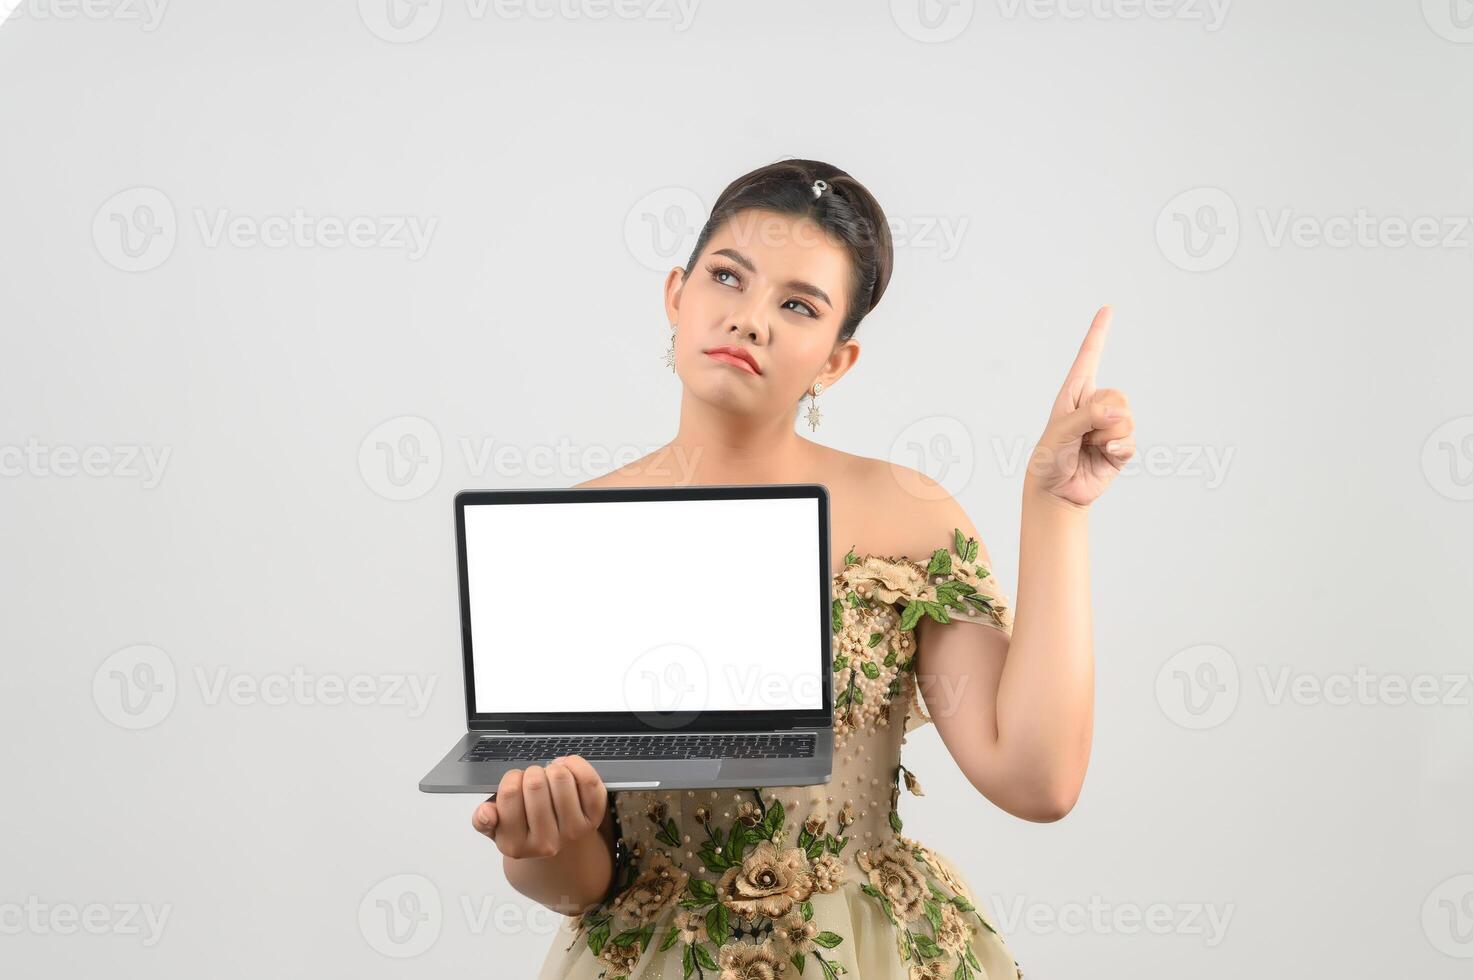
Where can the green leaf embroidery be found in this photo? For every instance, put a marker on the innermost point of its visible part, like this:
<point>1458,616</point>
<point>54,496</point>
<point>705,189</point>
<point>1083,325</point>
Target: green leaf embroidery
<point>598,937</point>
<point>838,616</point>
<point>798,960</point>
<point>933,914</point>
<point>940,562</point>
<point>927,945</point>
<point>875,638</point>
<point>688,960</point>
<point>702,890</point>
<point>669,834</point>
<point>870,670</point>
<point>716,925</point>
<point>737,846</point>
<point>670,938</point>
<point>774,820</point>
<point>884,900</point>
<point>828,940</point>
<point>851,558</point>
<point>895,821</point>
<point>958,543</point>
<point>704,957</point>
<point>807,909</point>
<point>841,661</point>
<point>936,611</point>
<point>911,615</point>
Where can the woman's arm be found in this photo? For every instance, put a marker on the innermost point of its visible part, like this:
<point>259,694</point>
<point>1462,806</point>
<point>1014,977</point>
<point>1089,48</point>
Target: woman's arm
<point>1018,715</point>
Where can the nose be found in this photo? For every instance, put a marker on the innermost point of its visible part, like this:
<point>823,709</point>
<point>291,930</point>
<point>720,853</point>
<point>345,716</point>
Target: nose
<point>746,322</point>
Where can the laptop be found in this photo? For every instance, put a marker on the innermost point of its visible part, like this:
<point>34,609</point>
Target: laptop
<point>675,637</point>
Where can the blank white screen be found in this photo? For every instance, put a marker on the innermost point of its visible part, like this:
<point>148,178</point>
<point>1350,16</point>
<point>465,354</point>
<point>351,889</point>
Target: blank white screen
<point>645,605</point>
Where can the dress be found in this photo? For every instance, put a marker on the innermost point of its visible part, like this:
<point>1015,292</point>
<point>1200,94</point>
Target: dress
<point>786,882</point>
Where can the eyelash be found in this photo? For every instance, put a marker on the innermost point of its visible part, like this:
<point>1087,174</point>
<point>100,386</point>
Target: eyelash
<point>716,269</point>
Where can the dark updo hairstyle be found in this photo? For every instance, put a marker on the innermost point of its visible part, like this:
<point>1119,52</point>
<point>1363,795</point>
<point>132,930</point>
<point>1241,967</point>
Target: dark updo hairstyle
<point>846,211</point>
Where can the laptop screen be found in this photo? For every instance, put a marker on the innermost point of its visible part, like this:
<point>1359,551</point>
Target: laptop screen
<point>645,605</point>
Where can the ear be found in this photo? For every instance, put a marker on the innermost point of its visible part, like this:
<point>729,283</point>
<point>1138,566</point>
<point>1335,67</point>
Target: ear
<point>674,283</point>
<point>839,362</point>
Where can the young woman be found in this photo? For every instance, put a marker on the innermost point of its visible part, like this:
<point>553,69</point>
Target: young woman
<point>818,881</point>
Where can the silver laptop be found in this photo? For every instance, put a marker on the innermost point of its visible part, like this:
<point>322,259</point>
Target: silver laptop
<point>675,637</point>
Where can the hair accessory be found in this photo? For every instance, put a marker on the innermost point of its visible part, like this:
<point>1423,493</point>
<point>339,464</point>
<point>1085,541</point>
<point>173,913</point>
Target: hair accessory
<point>819,187</point>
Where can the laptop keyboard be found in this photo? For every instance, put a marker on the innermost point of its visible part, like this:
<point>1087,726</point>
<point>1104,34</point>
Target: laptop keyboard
<point>738,745</point>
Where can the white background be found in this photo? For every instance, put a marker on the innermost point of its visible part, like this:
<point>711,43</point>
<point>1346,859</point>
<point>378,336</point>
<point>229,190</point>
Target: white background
<point>1307,405</point>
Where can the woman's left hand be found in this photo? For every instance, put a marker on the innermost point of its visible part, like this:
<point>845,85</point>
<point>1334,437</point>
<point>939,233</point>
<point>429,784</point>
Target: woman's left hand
<point>1087,439</point>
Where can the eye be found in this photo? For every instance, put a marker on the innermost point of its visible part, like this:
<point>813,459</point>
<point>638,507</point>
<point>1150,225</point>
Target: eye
<point>811,311</point>
<point>717,271</point>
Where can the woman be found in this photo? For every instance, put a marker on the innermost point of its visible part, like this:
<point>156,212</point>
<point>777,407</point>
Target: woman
<point>818,881</point>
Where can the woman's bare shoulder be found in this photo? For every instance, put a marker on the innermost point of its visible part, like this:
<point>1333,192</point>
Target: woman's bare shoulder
<point>906,510</point>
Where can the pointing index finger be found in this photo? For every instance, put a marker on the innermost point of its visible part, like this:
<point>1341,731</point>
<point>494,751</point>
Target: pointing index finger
<point>1087,361</point>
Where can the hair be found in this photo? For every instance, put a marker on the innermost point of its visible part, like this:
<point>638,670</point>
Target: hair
<point>846,211</point>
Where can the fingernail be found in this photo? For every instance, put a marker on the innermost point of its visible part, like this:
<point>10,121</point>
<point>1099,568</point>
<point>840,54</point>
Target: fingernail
<point>1112,446</point>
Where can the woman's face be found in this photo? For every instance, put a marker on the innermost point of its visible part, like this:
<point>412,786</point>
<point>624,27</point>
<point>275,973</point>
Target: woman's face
<point>772,286</point>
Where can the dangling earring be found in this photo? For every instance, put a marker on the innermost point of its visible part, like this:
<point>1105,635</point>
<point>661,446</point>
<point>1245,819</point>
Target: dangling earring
<point>670,354</point>
<point>813,415</point>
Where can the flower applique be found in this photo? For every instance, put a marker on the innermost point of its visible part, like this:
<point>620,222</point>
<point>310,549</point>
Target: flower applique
<point>753,923</point>
<point>877,601</point>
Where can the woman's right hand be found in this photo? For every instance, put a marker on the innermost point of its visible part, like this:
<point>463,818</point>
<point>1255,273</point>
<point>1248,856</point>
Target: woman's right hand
<point>538,811</point>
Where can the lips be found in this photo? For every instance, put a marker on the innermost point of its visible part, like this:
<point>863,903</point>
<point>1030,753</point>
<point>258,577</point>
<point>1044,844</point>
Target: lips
<point>735,356</point>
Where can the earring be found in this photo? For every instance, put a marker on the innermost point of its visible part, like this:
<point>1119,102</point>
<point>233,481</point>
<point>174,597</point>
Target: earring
<point>670,354</point>
<point>813,414</point>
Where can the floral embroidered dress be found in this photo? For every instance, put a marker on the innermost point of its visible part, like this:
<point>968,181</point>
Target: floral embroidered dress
<point>808,881</point>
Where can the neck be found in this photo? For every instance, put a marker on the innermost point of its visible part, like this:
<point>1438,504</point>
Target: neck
<point>714,445</point>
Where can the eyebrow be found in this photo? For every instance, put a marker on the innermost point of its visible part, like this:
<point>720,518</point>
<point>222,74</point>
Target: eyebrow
<point>795,284</point>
